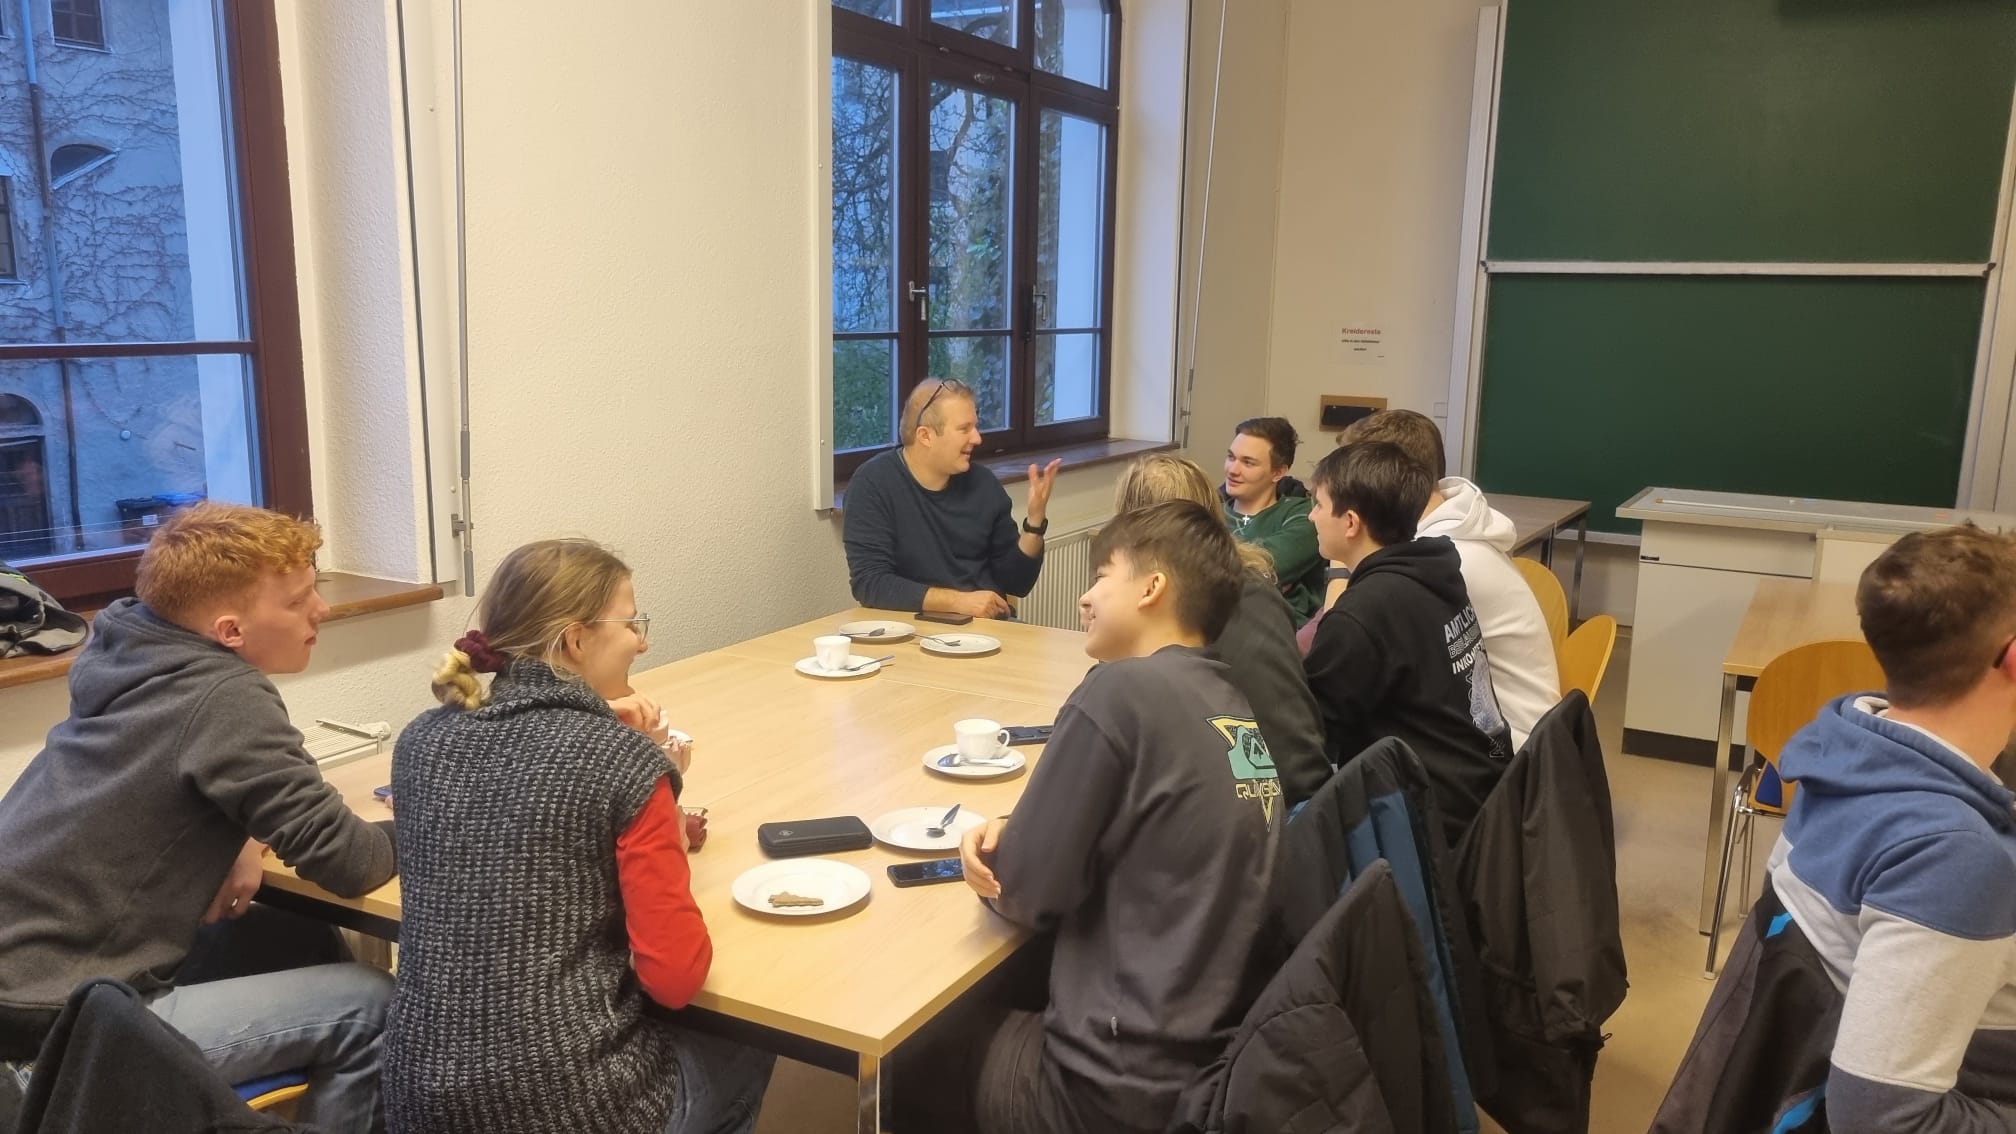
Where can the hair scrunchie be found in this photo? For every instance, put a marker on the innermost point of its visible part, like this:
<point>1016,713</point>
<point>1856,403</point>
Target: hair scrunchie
<point>482,658</point>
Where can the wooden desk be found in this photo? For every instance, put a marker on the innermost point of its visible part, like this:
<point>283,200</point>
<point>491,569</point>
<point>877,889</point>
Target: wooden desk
<point>1539,520</point>
<point>1783,614</point>
<point>770,744</point>
<point>1036,663</point>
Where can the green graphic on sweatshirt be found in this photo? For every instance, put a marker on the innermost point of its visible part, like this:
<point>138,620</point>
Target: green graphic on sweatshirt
<point>1252,764</point>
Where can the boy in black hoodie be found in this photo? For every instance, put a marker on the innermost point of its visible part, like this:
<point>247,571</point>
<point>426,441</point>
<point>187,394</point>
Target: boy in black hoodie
<point>1146,839</point>
<point>1400,654</point>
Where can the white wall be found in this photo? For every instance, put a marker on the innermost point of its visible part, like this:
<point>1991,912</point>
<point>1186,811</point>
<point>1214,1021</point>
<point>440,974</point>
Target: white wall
<point>1378,97</point>
<point>1238,238</point>
<point>641,226</point>
<point>1237,245</point>
<point>1375,136</point>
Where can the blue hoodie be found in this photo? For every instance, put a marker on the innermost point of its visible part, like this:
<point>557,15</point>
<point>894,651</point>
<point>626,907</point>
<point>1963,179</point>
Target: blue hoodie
<point>1899,863</point>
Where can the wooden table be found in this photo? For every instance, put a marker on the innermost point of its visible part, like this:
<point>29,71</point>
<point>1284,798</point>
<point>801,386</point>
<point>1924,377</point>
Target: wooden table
<point>1539,520</point>
<point>1783,615</point>
<point>840,992</point>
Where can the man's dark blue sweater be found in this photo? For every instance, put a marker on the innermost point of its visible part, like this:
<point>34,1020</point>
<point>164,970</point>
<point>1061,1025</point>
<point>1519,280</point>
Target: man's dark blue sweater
<point>903,539</point>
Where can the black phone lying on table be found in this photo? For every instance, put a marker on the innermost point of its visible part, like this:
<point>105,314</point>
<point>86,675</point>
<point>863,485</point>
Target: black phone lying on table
<point>1029,734</point>
<point>927,873</point>
<point>813,836</point>
<point>943,616</point>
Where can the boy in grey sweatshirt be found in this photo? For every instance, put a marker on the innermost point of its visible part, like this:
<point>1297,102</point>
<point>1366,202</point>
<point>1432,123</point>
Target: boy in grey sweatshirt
<point>149,810</point>
<point>1146,839</point>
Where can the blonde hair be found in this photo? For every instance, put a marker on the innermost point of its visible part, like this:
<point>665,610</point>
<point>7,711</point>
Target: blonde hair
<point>539,591</point>
<point>1155,478</point>
<point>210,553</point>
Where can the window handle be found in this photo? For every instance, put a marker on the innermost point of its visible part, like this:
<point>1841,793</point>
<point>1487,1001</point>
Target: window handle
<point>921,296</point>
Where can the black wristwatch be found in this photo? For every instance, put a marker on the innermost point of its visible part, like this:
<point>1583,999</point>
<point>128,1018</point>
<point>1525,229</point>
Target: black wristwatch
<point>1037,529</point>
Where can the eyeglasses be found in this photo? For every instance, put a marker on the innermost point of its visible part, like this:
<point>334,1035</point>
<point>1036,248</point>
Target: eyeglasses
<point>640,624</point>
<point>944,384</point>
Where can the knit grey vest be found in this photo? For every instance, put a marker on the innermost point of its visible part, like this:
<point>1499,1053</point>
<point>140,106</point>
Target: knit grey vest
<point>516,1007</point>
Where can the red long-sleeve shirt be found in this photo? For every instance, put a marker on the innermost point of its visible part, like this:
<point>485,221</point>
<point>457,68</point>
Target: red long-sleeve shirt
<point>669,946</point>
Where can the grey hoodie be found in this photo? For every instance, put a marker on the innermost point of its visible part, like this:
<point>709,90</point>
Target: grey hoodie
<point>120,832</point>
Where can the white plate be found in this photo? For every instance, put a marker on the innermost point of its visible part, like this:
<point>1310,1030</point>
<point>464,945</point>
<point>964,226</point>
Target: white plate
<point>970,645</point>
<point>1014,764</point>
<point>864,631</point>
<point>810,667</point>
<point>905,828</point>
<point>839,884</point>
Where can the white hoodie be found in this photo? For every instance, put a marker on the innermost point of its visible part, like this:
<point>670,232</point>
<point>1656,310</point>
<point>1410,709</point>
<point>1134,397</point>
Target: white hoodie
<point>1523,671</point>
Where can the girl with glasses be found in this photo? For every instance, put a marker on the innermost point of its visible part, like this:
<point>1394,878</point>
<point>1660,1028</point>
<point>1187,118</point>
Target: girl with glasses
<point>547,898</point>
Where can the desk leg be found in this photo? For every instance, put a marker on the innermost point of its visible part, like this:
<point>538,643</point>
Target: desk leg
<point>1581,550</point>
<point>868,1107</point>
<point>1718,801</point>
<point>1547,549</point>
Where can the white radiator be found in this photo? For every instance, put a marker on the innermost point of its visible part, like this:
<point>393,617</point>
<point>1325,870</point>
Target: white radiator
<point>1067,573</point>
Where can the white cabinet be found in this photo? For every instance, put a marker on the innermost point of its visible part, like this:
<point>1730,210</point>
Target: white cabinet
<point>1694,584</point>
<point>1698,564</point>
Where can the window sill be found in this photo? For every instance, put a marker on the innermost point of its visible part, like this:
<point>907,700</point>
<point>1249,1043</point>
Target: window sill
<point>348,596</point>
<point>1014,467</point>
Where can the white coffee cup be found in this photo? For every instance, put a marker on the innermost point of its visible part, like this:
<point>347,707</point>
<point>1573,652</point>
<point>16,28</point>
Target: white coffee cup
<point>833,650</point>
<point>980,738</point>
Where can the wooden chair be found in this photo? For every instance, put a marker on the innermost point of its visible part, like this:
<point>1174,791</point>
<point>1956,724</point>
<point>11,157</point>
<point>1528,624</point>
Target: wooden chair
<point>1586,655</point>
<point>1789,694</point>
<point>1553,600</point>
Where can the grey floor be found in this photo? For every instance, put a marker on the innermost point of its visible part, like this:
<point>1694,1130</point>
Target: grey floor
<point>1661,809</point>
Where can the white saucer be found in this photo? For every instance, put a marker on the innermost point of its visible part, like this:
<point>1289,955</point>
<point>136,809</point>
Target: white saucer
<point>905,828</point>
<point>969,645</point>
<point>1013,762</point>
<point>838,884</point>
<point>810,668</point>
<point>865,630</point>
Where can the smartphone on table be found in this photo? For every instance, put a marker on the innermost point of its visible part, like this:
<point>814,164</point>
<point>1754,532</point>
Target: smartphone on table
<point>1029,734</point>
<point>944,617</point>
<point>927,873</point>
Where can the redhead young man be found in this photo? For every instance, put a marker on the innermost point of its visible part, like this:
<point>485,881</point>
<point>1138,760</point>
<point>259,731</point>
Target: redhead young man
<point>147,814</point>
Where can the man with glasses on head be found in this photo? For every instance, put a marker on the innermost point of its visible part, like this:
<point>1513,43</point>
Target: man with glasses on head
<point>927,529</point>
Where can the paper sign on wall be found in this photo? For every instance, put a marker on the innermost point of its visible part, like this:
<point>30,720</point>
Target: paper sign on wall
<point>1364,343</point>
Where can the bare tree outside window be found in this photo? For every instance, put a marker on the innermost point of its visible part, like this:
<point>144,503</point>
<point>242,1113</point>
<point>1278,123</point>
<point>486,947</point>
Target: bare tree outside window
<point>864,256</point>
<point>878,9</point>
<point>157,372</point>
<point>973,159</point>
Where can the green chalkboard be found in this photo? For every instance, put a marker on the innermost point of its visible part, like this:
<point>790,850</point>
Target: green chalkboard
<point>1752,130</point>
<point>1852,389</point>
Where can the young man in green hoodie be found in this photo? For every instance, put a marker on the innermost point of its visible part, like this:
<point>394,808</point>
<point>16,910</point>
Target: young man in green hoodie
<point>147,815</point>
<point>1270,509</point>
<point>1146,839</point>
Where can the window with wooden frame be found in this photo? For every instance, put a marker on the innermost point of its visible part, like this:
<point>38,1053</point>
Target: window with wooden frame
<point>154,338</point>
<point>974,155</point>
